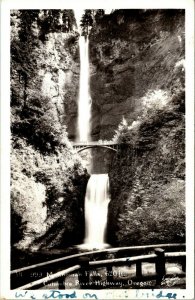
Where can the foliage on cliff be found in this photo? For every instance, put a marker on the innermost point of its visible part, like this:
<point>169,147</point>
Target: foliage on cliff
<point>47,179</point>
<point>38,78</point>
<point>148,177</point>
<point>47,195</point>
<point>89,19</point>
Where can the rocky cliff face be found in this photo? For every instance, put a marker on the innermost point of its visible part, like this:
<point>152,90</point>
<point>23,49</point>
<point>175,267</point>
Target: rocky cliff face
<point>131,52</point>
<point>48,180</point>
<point>59,73</point>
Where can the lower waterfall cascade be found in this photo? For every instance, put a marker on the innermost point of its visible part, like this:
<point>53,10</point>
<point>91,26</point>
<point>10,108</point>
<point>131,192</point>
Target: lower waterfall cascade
<point>96,208</point>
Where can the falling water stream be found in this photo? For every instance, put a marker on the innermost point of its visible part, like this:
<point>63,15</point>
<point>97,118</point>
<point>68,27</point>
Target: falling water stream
<point>97,194</point>
<point>84,101</point>
<point>96,208</point>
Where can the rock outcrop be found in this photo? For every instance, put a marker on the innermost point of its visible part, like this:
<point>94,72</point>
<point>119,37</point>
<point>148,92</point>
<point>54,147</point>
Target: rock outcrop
<point>58,67</point>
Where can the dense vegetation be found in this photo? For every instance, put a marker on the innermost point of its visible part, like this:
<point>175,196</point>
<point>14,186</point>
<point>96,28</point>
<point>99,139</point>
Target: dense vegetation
<point>148,177</point>
<point>47,180</point>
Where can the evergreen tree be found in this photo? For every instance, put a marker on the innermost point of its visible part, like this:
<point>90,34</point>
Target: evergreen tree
<point>86,21</point>
<point>27,17</point>
<point>68,20</point>
<point>99,14</point>
<point>53,20</point>
<point>48,22</point>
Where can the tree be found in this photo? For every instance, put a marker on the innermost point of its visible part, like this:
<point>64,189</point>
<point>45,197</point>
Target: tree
<point>48,21</point>
<point>86,21</point>
<point>27,17</point>
<point>99,14</point>
<point>53,20</point>
<point>122,133</point>
<point>68,20</point>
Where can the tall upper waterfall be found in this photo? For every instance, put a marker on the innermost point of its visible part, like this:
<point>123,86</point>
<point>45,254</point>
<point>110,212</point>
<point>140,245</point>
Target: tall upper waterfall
<point>96,209</point>
<point>84,101</point>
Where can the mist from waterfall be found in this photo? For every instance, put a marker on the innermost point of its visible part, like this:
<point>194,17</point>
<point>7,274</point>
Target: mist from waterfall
<point>96,210</point>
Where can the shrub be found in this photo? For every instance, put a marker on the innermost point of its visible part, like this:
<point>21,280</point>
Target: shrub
<point>158,218</point>
<point>27,200</point>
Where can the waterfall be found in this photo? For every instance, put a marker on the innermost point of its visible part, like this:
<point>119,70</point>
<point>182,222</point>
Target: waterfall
<point>84,101</point>
<point>96,209</point>
<point>97,194</point>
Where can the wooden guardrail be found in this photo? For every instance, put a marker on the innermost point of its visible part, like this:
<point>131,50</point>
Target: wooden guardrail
<point>62,267</point>
<point>159,258</point>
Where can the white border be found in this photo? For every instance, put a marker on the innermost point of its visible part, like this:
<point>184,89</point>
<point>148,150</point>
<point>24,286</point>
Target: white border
<point>6,5</point>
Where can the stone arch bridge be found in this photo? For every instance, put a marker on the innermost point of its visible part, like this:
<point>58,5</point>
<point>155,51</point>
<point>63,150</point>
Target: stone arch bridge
<point>81,146</point>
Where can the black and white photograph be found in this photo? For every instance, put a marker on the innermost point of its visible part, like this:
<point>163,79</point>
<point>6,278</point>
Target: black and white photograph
<point>100,199</point>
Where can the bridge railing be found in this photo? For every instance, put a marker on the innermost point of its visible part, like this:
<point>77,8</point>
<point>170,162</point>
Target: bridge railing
<point>157,255</point>
<point>104,143</point>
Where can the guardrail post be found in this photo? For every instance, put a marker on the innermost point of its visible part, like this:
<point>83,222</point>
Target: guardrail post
<point>17,280</point>
<point>139,269</point>
<point>83,272</point>
<point>160,264</point>
<point>183,264</point>
<point>109,273</point>
<point>61,283</point>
